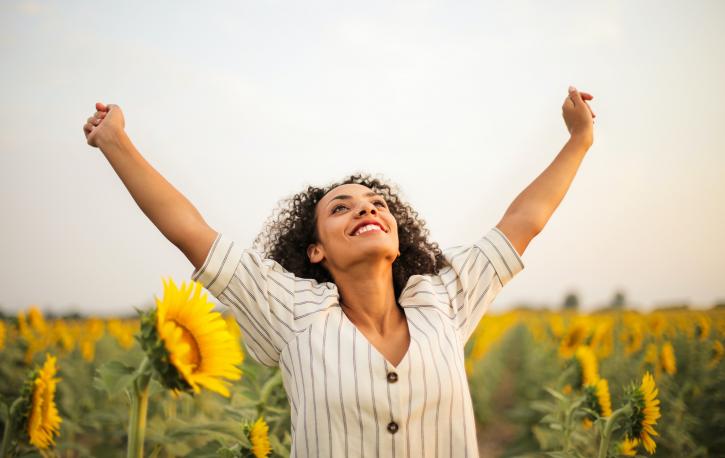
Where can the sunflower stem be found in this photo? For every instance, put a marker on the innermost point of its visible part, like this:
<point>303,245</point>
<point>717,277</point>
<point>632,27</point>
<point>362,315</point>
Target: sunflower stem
<point>10,427</point>
<point>139,408</point>
<point>609,428</point>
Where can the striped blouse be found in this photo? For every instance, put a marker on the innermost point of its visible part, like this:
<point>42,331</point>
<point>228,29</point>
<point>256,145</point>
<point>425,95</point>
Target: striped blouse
<point>345,398</point>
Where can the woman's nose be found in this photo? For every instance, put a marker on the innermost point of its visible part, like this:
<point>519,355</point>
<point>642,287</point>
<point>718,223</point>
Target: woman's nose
<point>365,207</point>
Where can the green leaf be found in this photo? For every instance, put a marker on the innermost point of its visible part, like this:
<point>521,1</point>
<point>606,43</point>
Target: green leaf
<point>219,430</point>
<point>556,394</point>
<point>558,455</point>
<point>114,377</point>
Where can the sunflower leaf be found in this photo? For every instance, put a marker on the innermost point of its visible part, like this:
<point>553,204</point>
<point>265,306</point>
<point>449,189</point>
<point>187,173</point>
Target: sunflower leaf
<point>555,393</point>
<point>114,377</point>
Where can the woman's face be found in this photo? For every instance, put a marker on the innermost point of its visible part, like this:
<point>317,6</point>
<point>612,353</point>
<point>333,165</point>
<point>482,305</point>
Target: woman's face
<point>341,213</point>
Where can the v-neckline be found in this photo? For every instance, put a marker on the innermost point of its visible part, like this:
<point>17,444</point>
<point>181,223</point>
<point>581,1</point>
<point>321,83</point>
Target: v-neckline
<point>374,348</point>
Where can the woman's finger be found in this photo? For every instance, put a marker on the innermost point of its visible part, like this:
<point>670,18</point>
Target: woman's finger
<point>88,128</point>
<point>590,110</point>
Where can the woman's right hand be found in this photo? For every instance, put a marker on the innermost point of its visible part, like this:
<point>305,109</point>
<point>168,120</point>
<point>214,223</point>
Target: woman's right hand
<point>106,123</point>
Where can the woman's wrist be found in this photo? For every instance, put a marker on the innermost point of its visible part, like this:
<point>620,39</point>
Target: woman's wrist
<point>111,140</point>
<point>584,139</point>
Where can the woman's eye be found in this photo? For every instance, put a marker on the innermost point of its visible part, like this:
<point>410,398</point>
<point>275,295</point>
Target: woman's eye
<point>380,202</point>
<point>334,210</point>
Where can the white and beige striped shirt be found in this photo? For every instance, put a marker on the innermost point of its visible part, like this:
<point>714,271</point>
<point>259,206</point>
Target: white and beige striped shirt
<point>346,399</point>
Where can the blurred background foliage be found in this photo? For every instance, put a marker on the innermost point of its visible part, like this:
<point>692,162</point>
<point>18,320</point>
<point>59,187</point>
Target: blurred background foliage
<point>514,361</point>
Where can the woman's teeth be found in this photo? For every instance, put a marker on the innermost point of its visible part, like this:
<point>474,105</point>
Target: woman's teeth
<point>369,227</point>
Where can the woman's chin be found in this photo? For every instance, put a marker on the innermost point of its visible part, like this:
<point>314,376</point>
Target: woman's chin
<point>377,251</point>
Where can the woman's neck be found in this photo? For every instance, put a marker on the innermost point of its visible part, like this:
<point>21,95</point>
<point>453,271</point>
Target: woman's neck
<point>367,296</point>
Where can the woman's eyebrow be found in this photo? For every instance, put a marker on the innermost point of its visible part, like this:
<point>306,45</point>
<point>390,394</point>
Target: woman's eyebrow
<point>345,196</point>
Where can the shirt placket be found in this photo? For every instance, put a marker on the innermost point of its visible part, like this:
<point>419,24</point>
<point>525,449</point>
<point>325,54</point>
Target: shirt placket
<point>395,421</point>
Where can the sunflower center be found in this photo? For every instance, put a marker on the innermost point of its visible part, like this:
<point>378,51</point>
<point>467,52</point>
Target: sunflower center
<point>193,356</point>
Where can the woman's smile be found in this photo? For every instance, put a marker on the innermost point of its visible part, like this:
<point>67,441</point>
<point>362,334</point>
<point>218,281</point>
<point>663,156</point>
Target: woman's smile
<point>366,230</point>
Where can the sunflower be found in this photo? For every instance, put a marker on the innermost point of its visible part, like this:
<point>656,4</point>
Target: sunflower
<point>702,327</point>
<point>645,412</point>
<point>651,357</point>
<point>602,340</point>
<point>667,358</point>
<point>2,335</point>
<point>573,338</point>
<point>628,447</point>
<point>604,400</point>
<point>588,365</point>
<point>632,337</point>
<point>657,324</point>
<point>188,344</point>
<point>716,354</point>
<point>37,322</point>
<point>598,400</point>
<point>259,437</point>
<point>43,420</point>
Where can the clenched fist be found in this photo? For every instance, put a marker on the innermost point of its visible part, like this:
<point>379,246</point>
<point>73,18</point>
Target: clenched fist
<point>578,116</point>
<point>104,124</point>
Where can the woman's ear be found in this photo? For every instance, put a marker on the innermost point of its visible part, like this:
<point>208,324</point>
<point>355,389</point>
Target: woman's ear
<point>315,253</point>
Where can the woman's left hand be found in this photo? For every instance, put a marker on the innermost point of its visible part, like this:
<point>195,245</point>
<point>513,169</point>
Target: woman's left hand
<point>578,116</point>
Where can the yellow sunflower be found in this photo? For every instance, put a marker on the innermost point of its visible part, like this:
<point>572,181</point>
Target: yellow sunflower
<point>598,400</point>
<point>628,447</point>
<point>259,436</point>
<point>645,412</point>
<point>37,322</point>
<point>2,335</point>
<point>632,337</point>
<point>195,340</point>
<point>602,340</point>
<point>573,338</point>
<point>717,353</point>
<point>588,364</point>
<point>43,420</point>
<point>702,327</point>
<point>667,358</point>
<point>604,400</point>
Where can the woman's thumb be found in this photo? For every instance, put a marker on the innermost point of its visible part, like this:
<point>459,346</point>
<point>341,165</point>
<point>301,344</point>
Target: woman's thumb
<point>101,107</point>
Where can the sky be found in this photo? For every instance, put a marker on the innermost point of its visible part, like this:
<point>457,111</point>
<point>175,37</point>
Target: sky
<point>241,104</point>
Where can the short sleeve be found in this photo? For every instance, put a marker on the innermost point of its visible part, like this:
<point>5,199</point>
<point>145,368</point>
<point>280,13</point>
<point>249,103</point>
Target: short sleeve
<point>479,272</point>
<point>259,292</point>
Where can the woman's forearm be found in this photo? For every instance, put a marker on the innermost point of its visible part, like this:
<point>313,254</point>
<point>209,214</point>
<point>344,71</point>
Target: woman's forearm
<point>166,207</point>
<point>538,201</point>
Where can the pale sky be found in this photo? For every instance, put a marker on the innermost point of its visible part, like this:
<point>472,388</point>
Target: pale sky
<point>241,104</point>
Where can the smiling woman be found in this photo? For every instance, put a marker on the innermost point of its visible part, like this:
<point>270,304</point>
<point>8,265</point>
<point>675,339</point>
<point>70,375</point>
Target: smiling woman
<point>367,319</point>
<point>343,291</point>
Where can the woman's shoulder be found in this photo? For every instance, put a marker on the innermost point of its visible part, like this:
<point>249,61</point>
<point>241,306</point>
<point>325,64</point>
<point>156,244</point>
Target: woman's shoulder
<point>301,285</point>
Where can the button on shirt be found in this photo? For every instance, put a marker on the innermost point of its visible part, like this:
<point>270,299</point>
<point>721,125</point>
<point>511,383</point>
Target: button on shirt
<point>346,399</point>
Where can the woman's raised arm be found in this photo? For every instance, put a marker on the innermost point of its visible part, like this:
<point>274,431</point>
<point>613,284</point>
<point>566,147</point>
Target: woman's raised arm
<point>530,211</point>
<point>167,208</point>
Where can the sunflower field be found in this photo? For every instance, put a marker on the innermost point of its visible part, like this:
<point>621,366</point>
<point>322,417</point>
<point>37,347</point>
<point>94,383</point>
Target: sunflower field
<point>174,381</point>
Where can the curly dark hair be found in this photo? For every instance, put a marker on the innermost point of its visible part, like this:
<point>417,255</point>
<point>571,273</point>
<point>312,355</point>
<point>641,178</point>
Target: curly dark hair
<point>292,227</point>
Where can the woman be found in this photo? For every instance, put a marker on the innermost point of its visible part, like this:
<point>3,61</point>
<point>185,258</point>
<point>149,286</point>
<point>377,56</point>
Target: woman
<point>366,318</point>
